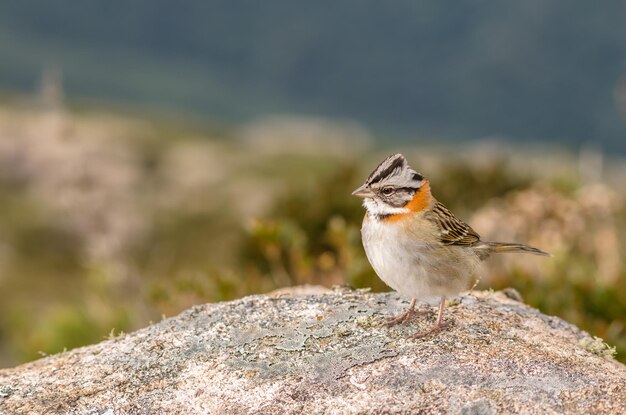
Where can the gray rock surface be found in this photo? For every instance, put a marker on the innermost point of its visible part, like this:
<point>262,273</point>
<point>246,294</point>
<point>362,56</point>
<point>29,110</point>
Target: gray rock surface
<point>329,354</point>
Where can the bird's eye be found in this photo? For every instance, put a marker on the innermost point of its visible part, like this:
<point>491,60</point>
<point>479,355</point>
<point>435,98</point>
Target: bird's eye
<point>387,191</point>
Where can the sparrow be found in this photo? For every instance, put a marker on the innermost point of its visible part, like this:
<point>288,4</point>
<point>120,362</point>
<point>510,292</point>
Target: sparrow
<point>415,244</point>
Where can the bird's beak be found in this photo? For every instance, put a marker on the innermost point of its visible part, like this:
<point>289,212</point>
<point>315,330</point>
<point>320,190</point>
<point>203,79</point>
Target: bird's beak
<point>363,192</point>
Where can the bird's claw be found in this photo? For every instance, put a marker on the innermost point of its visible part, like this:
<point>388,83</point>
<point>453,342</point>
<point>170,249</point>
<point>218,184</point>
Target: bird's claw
<point>434,329</point>
<point>405,317</point>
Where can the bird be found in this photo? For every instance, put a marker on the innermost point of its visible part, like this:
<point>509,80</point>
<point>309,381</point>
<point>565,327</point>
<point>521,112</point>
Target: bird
<point>416,245</point>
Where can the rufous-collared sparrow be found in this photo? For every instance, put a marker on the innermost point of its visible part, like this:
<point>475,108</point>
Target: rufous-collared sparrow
<point>415,244</point>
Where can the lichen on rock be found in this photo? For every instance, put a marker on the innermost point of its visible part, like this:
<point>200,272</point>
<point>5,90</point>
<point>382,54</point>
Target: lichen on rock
<point>328,353</point>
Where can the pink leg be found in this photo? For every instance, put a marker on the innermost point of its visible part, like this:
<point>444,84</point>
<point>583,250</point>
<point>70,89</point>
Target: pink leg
<point>409,314</point>
<point>439,325</point>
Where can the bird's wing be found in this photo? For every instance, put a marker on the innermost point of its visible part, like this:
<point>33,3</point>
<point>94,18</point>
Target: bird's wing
<point>453,231</point>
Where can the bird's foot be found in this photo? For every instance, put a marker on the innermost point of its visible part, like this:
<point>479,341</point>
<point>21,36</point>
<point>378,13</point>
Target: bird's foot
<point>407,316</point>
<point>441,325</point>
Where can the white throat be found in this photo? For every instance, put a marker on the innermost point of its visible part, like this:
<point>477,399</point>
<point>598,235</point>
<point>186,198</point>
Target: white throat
<point>377,208</point>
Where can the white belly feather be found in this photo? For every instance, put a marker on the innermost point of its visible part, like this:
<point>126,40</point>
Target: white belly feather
<point>413,267</point>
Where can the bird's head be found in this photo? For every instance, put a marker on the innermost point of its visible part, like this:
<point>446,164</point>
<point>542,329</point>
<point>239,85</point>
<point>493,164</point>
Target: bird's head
<point>394,189</point>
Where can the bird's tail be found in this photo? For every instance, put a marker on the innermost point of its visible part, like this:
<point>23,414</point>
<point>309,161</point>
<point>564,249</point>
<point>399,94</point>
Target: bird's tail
<point>515,248</point>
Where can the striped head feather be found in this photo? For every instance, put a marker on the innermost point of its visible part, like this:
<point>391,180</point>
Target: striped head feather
<point>394,189</point>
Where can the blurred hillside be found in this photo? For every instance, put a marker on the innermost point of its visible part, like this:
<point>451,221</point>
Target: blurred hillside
<point>539,70</point>
<point>108,222</point>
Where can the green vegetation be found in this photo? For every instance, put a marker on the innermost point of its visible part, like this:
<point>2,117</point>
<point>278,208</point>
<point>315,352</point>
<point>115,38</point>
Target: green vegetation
<point>108,223</point>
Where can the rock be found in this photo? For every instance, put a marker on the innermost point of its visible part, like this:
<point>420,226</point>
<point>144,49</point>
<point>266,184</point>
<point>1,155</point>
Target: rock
<point>329,353</point>
<point>297,290</point>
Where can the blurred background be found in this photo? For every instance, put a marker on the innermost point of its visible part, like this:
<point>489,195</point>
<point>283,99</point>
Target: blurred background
<point>156,155</point>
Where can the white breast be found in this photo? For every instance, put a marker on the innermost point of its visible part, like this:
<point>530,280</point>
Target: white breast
<point>416,267</point>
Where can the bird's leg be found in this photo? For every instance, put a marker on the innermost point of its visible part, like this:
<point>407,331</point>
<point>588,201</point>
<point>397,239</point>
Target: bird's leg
<point>407,315</point>
<point>439,325</point>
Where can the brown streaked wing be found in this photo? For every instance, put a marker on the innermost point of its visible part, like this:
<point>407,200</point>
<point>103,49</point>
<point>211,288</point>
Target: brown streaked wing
<point>453,230</point>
